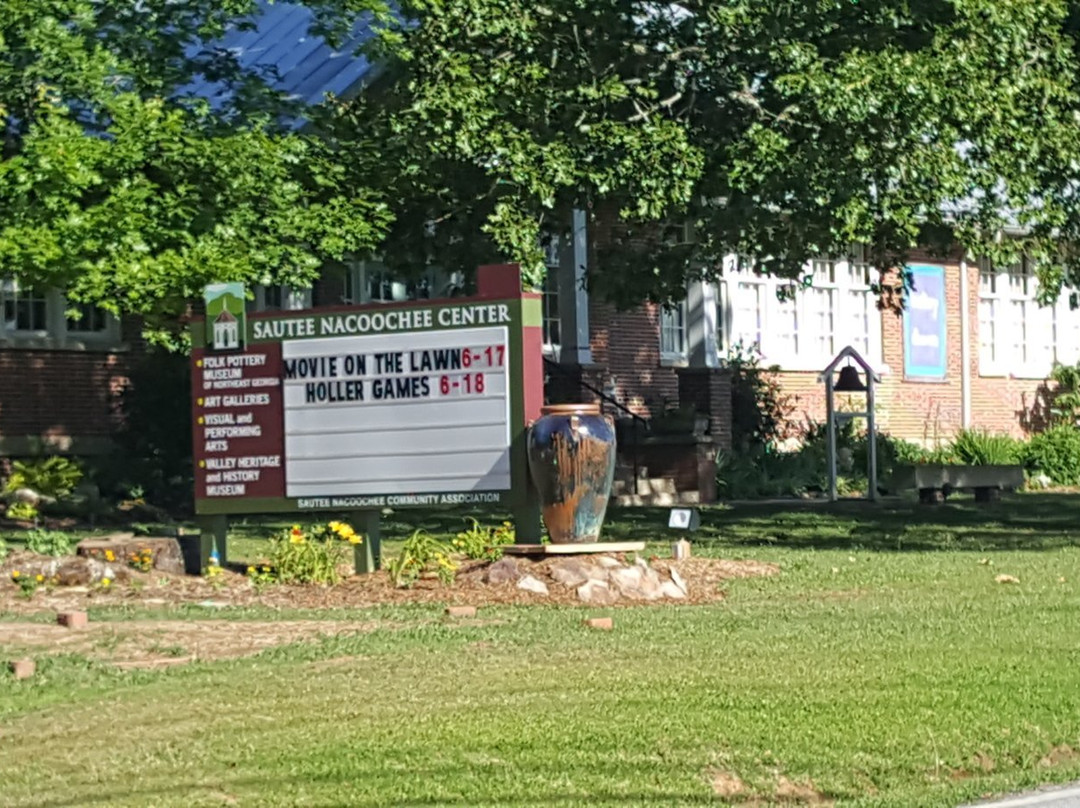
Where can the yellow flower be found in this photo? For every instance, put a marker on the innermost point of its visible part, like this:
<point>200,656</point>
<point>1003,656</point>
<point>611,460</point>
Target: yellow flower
<point>105,582</point>
<point>354,539</point>
<point>296,538</point>
<point>334,526</point>
<point>14,573</point>
<point>266,569</point>
<point>40,578</point>
<point>296,528</point>
<point>110,555</point>
<point>251,570</point>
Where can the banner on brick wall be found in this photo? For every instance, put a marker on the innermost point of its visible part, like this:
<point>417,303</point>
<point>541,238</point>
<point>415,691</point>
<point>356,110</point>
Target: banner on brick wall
<point>925,348</point>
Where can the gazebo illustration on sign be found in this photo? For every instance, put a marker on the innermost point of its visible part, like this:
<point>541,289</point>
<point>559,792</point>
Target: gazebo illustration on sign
<point>226,331</point>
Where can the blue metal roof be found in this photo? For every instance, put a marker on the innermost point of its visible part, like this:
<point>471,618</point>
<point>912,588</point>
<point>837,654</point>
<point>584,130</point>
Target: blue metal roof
<point>281,48</point>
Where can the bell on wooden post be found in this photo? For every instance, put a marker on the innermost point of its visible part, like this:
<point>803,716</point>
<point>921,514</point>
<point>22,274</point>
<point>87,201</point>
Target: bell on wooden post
<point>849,381</point>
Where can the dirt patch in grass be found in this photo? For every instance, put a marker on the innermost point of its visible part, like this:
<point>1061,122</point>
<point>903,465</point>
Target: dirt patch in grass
<point>705,579</point>
<point>730,788</point>
<point>163,643</point>
<point>726,784</point>
<point>1058,755</point>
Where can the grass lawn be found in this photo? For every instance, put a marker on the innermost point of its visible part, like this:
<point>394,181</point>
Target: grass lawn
<point>884,665</point>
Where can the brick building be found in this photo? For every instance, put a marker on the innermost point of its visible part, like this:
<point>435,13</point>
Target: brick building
<point>995,348</point>
<point>973,350</point>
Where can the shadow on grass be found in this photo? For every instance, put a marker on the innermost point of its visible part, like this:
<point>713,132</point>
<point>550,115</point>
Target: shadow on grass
<point>1017,522</point>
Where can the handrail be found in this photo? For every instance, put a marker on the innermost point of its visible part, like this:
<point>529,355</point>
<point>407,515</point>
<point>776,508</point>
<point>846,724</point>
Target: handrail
<point>551,363</point>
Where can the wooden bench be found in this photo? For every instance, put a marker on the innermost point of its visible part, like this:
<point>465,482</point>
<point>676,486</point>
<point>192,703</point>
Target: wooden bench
<point>935,482</point>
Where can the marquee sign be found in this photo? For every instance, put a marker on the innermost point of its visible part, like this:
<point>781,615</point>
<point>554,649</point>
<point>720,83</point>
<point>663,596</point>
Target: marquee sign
<point>412,404</point>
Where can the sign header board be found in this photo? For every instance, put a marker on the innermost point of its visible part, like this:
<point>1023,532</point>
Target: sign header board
<point>413,404</point>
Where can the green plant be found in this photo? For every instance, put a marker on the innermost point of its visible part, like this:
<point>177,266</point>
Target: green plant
<point>421,553</point>
<point>28,584</point>
<point>980,448</point>
<point>22,512</point>
<point>311,556</point>
<point>483,542</point>
<point>261,576</point>
<point>1056,453</point>
<point>49,542</point>
<point>143,560</point>
<point>51,476</point>
<point>4,550</point>
<point>760,412</point>
<point>153,461</point>
<point>1065,399</point>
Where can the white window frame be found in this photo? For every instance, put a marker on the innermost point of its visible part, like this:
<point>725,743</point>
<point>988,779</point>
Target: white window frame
<point>291,299</point>
<point>551,315</point>
<point>358,275</point>
<point>674,329</point>
<point>57,333</point>
<point>750,311</point>
<point>1017,337</point>
<point>550,301</point>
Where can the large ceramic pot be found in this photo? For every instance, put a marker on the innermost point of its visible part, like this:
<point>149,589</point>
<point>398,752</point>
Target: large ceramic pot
<point>572,461</point>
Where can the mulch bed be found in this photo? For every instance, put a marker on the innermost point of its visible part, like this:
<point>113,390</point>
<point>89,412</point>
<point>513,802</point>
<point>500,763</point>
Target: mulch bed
<point>705,578</point>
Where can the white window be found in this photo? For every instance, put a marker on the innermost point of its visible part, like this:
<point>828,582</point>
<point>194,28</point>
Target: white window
<point>551,314</point>
<point>281,298</point>
<point>801,326</point>
<point>1017,336</point>
<point>550,311</point>
<point>373,282</point>
<point>673,341</point>
<point>45,319</point>
<point>26,311</point>
<point>85,319</point>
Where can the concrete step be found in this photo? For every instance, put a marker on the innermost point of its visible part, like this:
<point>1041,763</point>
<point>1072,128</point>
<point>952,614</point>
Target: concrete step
<point>656,500</point>
<point>646,487</point>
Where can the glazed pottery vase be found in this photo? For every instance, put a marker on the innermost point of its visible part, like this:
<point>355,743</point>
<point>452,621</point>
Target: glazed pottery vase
<point>572,463</point>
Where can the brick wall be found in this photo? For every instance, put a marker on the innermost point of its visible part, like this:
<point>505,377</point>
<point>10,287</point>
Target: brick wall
<point>626,345</point>
<point>54,395</point>
<point>928,411</point>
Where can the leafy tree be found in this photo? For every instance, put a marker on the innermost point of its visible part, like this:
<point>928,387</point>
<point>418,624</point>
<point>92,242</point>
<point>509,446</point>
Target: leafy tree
<point>780,129</point>
<point>124,187</point>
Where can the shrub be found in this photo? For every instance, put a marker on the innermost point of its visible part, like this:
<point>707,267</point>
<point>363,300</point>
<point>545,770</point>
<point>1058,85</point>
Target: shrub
<point>1065,399</point>
<point>143,560</point>
<point>49,542</point>
<point>484,542</point>
<point>28,584</point>
<point>760,411</point>
<point>154,440</point>
<point>1056,453</point>
<point>764,472</point>
<point>261,576</point>
<point>22,512</point>
<point>51,476</point>
<point>311,556</point>
<point>421,553</point>
<point>978,448</point>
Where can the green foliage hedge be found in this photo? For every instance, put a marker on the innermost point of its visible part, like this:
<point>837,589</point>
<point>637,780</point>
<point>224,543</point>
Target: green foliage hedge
<point>1055,453</point>
<point>766,471</point>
